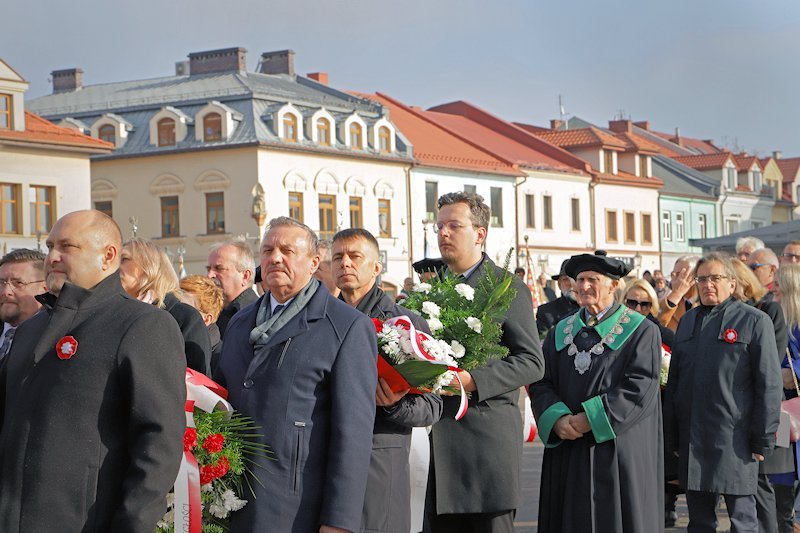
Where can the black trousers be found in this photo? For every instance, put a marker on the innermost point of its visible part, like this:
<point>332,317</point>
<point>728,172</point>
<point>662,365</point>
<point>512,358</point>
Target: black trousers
<point>502,522</point>
<point>703,515</point>
<point>784,504</point>
<point>765,506</point>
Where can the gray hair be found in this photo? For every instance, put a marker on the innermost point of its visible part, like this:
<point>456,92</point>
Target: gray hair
<point>313,239</point>
<point>245,260</point>
<point>691,260</point>
<point>752,242</point>
<point>766,256</point>
<point>717,257</point>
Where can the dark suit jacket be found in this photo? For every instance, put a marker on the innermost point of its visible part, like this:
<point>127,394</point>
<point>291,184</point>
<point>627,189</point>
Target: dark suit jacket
<point>91,443</point>
<point>478,459</point>
<point>313,395</point>
<point>548,315</point>
<point>196,340</point>
<point>247,297</point>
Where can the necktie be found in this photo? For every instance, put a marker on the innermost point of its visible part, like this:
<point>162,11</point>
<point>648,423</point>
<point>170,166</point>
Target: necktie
<point>277,309</point>
<point>7,338</point>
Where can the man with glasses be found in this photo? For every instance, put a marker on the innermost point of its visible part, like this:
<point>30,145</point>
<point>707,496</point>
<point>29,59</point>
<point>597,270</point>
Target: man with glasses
<point>791,253</point>
<point>722,402</point>
<point>21,279</point>
<point>231,265</point>
<point>764,264</point>
<point>682,295</point>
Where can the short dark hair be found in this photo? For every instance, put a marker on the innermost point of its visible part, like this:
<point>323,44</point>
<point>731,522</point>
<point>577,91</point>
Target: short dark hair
<point>313,239</point>
<point>480,213</point>
<point>25,255</point>
<point>357,233</point>
<point>519,270</point>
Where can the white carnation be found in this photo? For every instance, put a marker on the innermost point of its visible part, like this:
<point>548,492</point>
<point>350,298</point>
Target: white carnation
<point>435,324</point>
<point>431,309</point>
<point>466,291</point>
<point>391,348</point>
<point>474,324</point>
<point>218,509</point>
<point>422,287</point>
<point>458,349</point>
<point>232,503</point>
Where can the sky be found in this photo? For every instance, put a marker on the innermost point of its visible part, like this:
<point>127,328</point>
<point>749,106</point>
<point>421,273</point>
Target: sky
<point>717,69</point>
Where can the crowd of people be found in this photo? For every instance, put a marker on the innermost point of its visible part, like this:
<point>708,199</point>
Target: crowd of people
<point>97,334</point>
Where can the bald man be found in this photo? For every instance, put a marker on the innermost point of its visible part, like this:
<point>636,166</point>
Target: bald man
<point>94,395</point>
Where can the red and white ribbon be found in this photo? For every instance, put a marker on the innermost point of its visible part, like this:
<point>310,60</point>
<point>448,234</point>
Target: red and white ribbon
<point>529,428</point>
<point>205,394</point>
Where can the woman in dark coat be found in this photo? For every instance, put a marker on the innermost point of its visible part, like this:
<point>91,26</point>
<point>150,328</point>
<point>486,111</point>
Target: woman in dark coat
<point>146,273</point>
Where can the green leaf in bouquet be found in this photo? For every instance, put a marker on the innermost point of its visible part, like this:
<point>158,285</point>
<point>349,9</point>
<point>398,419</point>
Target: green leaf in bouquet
<point>419,373</point>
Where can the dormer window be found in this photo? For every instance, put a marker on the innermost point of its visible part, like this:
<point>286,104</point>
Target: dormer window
<point>290,128</point>
<point>383,136</point>
<point>321,126</point>
<point>384,140</point>
<point>356,136</point>
<point>107,133</point>
<point>324,132</point>
<point>757,180</point>
<point>166,132</point>
<point>608,161</point>
<point>5,111</point>
<point>643,166</point>
<point>212,127</point>
<point>289,123</point>
<point>731,177</point>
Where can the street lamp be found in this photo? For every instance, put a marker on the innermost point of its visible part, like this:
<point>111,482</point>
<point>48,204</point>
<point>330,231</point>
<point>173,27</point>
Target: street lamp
<point>637,263</point>
<point>425,223</point>
<point>134,221</point>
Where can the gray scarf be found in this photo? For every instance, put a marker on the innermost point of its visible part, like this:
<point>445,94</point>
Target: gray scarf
<point>268,324</point>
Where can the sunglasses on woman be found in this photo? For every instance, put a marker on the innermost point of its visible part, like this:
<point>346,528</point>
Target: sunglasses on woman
<point>644,306</point>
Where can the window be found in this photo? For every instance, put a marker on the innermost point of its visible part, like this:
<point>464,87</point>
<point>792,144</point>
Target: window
<point>608,161</point>
<point>9,208</point>
<point>384,217</point>
<point>629,221</point>
<point>471,189</point>
<point>757,180</point>
<point>701,226</point>
<point>497,206</point>
<point>431,197</point>
<point>296,206</point>
<point>5,112</point>
<point>744,180</point>
<point>547,212</point>
<point>42,208</point>
<point>731,226</point>
<point>666,225</point>
<point>166,132</point>
<point>576,214</point>
<point>731,177</point>
<point>108,133</point>
<point>105,208</point>
<point>647,228</point>
<point>611,226</point>
<point>356,136</point>
<point>215,212</point>
<point>384,140</point>
<point>680,234</point>
<point>290,128</point>
<point>643,166</point>
<point>324,132</point>
<point>356,212</point>
<point>530,211</point>
<point>170,226</point>
<point>327,215</point>
<point>757,224</point>
<point>212,127</point>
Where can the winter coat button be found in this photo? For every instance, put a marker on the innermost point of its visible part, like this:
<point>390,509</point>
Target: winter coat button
<point>248,383</point>
<point>584,335</point>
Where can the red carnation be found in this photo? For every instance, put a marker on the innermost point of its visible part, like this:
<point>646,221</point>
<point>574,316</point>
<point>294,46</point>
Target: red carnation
<point>378,325</point>
<point>189,439</point>
<point>207,474</point>
<point>213,443</point>
<point>222,467</point>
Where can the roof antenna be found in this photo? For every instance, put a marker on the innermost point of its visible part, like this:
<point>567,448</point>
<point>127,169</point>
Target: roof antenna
<point>562,112</point>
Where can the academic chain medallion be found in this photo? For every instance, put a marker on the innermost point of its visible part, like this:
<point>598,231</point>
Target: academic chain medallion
<point>583,358</point>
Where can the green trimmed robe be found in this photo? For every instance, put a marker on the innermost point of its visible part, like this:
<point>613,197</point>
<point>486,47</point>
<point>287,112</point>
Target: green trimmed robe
<point>611,479</point>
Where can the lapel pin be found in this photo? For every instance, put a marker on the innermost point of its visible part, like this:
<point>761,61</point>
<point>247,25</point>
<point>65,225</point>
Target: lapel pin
<point>730,336</point>
<point>66,347</point>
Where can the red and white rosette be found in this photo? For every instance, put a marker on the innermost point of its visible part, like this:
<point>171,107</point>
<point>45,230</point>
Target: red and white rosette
<point>529,428</point>
<point>205,394</point>
<point>416,338</point>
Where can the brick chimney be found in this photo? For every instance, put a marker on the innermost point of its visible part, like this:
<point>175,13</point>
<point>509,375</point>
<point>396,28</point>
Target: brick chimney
<point>644,124</point>
<point>677,139</point>
<point>620,126</point>
<point>225,60</point>
<point>320,77</point>
<point>70,79</point>
<point>280,62</point>
<point>556,124</point>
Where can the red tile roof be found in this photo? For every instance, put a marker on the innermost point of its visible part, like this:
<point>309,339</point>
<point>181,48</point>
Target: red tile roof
<point>436,146</point>
<point>705,161</point>
<point>629,180</point>
<point>637,143</point>
<point>745,162</point>
<point>590,136</point>
<point>789,167</point>
<point>703,146</point>
<point>41,131</point>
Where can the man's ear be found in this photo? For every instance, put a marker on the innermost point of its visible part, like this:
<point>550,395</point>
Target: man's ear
<point>480,236</point>
<point>110,257</point>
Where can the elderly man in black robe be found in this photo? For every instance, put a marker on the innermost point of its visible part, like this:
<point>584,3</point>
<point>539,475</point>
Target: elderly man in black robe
<point>599,413</point>
<point>722,402</point>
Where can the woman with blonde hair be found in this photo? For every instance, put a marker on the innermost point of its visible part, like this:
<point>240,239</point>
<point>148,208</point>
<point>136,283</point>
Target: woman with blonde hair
<point>748,288</point>
<point>146,273</point>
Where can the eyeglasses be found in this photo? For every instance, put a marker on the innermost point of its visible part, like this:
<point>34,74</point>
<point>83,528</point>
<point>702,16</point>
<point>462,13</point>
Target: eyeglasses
<point>17,284</point>
<point>633,304</point>
<point>756,266</point>
<point>794,258</point>
<point>715,278</point>
<point>452,227</point>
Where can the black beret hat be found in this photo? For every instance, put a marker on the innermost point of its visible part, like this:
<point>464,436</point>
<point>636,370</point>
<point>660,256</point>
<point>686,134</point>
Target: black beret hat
<point>428,265</point>
<point>597,262</point>
<point>561,272</point>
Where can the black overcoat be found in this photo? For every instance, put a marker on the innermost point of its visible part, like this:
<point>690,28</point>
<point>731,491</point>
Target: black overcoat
<point>722,401</point>
<point>548,315</point>
<point>196,339</point>
<point>244,299</point>
<point>476,461</point>
<point>93,442</point>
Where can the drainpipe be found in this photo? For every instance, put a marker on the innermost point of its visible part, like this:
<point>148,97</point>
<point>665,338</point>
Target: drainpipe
<point>409,229</point>
<point>516,216</point>
<point>592,225</point>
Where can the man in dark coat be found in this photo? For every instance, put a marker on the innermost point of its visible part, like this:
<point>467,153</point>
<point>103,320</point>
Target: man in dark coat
<point>302,364</point>
<point>355,261</point>
<point>598,409</point>
<point>548,315</point>
<point>722,402</point>
<point>476,461</point>
<point>94,396</point>
<point>231,265</point>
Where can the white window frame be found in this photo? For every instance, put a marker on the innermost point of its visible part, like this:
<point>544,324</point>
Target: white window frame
<point>680,229</point>
<point>666,225</point>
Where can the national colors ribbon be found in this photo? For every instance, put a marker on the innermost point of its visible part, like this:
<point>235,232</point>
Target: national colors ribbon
<point>529,429</point>
<point>205,394</point>
<point>416,338</point>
